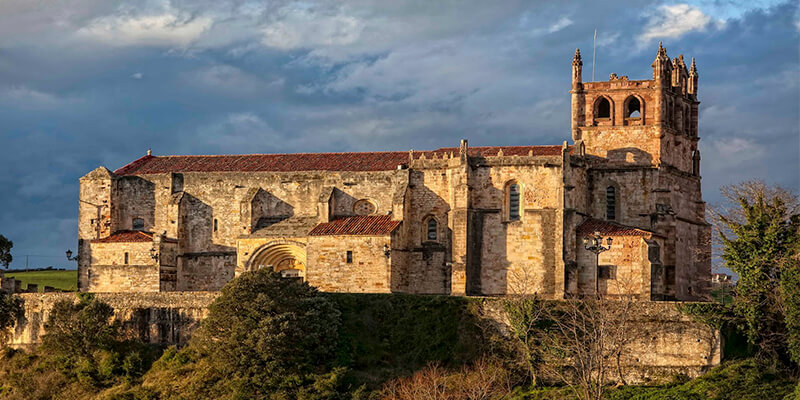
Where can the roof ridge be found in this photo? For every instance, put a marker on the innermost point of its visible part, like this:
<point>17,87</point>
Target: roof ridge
<point>335,152</point>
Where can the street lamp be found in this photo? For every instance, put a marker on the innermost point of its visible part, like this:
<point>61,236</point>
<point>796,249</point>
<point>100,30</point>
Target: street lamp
<point>70,257</point>
<point>386,250</point>
<point>154,254</point>
<point>594,243</point>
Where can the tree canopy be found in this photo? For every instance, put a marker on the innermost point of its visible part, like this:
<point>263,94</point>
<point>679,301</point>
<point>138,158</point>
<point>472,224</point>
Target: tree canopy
<point>759,231</point>
<point>5,251</point>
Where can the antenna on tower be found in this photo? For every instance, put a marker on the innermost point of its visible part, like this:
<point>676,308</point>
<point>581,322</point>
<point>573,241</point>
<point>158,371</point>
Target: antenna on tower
<point>594,52</point>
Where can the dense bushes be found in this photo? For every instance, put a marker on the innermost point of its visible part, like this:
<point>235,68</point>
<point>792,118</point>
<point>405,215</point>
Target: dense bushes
<point>10,311</point>
<point>82,354</point>
<point>387,335</point>
<point>265,337</point>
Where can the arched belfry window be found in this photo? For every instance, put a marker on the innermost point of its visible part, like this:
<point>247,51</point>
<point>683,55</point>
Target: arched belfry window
<point>512,201</point>
<point>611,203</point>
<point>138,224</point>
<point>603,108</point>
<point>633,108</point>
<point>431,230</point>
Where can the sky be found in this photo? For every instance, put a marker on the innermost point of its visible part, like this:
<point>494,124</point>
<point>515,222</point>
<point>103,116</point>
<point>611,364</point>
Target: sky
<point>85,83</point>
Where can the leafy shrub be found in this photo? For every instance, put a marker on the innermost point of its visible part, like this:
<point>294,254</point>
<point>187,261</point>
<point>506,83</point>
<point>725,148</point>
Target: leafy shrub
<point>10,310</point>
<point>264,337</point>
<point>79,329</point>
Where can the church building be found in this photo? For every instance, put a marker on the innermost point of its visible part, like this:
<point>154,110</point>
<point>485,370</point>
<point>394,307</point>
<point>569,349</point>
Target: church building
<point>617,211</point>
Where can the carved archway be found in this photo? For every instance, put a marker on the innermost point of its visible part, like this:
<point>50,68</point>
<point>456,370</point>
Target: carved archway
<point>285,256</point>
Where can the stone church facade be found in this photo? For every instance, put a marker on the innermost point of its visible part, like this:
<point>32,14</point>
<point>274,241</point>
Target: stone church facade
<point>462,220</point>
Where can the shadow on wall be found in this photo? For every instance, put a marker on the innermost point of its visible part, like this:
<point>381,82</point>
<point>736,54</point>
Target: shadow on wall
<point>488,264</point>
<point>428,269</point>
<point>137,200</point>
<point>202,264</point>
<point>268,209</point>
<point>630,155</point>
<point>343,205</point>
<point>501,249</point>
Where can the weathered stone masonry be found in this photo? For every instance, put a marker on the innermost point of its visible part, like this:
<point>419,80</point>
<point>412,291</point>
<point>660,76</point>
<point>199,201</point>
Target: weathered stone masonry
<point>462,220</point>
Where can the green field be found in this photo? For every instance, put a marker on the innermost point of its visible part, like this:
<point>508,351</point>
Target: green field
<point>63,280</point>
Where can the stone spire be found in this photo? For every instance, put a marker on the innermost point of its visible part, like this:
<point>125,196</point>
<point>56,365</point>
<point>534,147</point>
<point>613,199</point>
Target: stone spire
<point>577,70</point>
<point>693,78</point>
<point>661,65</point>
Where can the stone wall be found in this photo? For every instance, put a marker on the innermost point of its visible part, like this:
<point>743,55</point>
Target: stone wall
<point>664,341</point>
<point>628,264</point>
<point>157,318</point>
<point>369,270</point>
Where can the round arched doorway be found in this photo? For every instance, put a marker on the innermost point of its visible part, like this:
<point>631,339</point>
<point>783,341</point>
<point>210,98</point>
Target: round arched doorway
<point>286,257</point>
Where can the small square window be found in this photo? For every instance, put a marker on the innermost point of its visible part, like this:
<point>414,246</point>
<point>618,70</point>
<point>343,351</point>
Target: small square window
<point>138,224</point>
<point>608,272</point>
<point>349,257</point>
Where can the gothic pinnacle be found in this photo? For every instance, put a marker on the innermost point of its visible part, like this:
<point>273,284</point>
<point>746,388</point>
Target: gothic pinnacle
<point>577,58</point>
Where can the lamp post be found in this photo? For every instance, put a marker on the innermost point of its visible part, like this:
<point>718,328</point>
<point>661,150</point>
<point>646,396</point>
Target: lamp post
<point>594,243</point>
<point>387,251</point>
<point>154,254</point>
<point>70,257</point>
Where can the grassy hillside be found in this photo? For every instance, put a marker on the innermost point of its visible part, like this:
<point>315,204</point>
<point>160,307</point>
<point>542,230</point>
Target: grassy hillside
<point>62,280</point>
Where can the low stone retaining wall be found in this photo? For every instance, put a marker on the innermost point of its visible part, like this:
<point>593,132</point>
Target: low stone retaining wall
<point>666,342</point>
<point>158,318</point>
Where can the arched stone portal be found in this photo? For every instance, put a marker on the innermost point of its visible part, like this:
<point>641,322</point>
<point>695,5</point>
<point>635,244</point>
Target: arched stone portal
<point>286,257</point>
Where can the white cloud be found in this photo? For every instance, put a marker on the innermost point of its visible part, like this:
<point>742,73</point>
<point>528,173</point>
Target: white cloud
<point>164,29</point>
<point>28,95</point>
<point>23,97</point>
<point>301,27</point>
<point>559,25</point>
<point>137,75</point>
<point>673,21</point>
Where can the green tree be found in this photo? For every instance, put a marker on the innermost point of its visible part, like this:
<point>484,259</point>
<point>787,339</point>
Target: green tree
<point>10,310</point>
<point>264,337</point>
<point>759,232</point>
<point>5,251</point>
<point>79,329</point>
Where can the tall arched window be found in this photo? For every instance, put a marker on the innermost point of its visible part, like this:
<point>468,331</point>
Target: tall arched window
<point>512,201</point>
<point>138,224</point>
<point>603,108</point>
<point>431,229</point>
<point>633,108</point>
<point>611,203</point>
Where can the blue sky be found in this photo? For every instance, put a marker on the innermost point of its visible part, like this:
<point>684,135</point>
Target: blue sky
<point>85,83</point>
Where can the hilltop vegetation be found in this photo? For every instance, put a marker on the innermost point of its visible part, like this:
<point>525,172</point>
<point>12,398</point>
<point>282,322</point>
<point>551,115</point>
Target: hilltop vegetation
<point>270,338</point>
<point>65,280</point>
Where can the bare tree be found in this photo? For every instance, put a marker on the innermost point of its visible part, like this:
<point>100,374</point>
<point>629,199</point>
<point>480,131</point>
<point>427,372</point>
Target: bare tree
<point>523,280</point>
<point>586,342</point>
<point>483,380</point>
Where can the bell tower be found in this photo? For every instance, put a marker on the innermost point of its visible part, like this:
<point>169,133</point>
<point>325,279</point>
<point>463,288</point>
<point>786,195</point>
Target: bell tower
<point>642,164</point>
<point>639,122</point>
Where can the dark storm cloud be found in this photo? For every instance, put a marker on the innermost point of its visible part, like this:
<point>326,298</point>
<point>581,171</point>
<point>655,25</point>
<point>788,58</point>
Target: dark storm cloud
<point>86,83</point>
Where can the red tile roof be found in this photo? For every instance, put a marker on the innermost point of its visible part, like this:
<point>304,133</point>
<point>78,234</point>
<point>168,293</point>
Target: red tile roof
<point>130,236</point>
<point>358,225</point>
<point>372,161</point>
<point>608,228</point>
